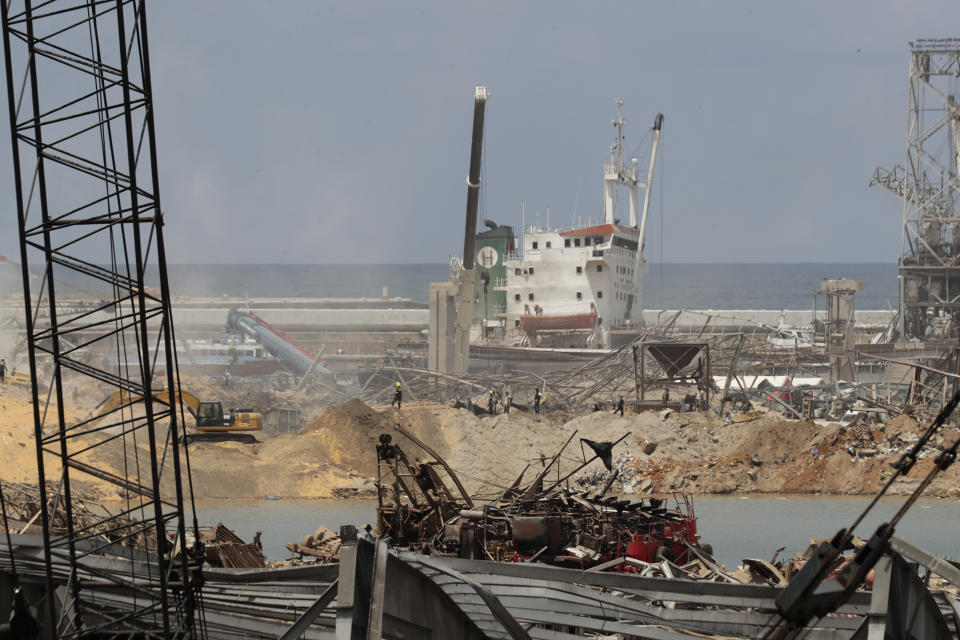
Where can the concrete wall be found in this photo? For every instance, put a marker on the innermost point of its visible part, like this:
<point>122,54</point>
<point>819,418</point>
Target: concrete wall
<point>291,319</point>
<point>799,318</point>
<point>442,323</point>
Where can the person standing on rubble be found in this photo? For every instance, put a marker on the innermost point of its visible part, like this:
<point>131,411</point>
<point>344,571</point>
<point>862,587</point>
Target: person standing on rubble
<point>492,403</point>
<point>397,397</point>
<point>3,371</point>
<point>536,400</point>
<point>619,408</point>
<point>507,402</point>
<point>256,541</point>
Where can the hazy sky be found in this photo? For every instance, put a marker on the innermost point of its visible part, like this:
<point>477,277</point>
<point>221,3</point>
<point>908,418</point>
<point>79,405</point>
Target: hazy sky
<point>340,132</point>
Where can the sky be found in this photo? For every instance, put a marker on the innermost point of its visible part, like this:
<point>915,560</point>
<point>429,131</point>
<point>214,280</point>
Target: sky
<point>339,132</point>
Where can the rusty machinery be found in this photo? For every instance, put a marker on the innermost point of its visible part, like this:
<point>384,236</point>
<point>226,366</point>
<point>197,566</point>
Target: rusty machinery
<point>418,510</point>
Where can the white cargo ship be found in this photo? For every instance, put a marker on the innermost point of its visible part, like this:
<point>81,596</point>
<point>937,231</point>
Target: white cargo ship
<point>570,287</point>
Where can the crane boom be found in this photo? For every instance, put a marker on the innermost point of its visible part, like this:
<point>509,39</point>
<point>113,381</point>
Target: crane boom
<point>465,306</point>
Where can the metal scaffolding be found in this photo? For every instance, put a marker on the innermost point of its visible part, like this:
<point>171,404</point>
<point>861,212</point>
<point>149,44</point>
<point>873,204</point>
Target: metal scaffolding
<point>928,183</point>
<point>88,207</point>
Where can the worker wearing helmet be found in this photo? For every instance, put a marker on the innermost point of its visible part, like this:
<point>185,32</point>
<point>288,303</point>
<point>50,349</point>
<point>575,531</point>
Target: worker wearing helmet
<point>492,402</point>
<point>397,397</point>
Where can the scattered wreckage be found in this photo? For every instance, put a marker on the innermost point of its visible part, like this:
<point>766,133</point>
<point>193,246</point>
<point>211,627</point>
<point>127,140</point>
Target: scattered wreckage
<point>537,521</point>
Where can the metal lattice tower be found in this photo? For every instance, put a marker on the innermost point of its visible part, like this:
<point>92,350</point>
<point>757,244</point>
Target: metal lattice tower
<point>928,183</point>
<point>88,207</point>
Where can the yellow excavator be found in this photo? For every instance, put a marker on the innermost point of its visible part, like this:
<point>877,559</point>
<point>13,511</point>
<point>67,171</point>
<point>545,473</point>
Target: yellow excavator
<point>213,425</point>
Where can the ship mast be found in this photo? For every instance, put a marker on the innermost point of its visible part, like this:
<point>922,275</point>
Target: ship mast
<point>619,123</point>
<point>615,172</point>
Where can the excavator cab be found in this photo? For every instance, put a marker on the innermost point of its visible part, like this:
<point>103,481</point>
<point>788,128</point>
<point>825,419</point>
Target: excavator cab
<point>210,414</point>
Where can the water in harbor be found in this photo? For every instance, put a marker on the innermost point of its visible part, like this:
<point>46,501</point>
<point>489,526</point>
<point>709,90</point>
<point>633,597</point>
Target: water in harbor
<point>666,286</point>
<point>737,527</point>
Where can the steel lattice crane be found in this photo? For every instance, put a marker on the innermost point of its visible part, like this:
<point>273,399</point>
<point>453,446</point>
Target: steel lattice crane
<point>929,185</point>
<point>89,218</point>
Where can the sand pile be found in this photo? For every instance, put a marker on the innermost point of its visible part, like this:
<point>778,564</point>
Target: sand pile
<point>18,457</point>
<point>347,435</point>
<point>771,439</point>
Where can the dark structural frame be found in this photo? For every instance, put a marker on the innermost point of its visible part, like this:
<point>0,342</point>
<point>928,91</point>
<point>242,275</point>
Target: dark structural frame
<point>88,207</point>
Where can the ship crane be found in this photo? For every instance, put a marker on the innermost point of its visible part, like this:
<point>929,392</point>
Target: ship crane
<point>465,306</point>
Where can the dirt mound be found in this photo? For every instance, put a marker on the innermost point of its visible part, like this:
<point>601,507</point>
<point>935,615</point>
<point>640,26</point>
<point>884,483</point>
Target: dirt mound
<point>905,424</point>
<point>345,436</point>
<point>771,439</point>
<point>350,414</point>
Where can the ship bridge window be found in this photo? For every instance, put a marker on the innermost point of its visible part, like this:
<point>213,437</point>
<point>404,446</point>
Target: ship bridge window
<point>586,242</point>
<point>530,297</point>
<point>516,272</point>
<point>531,270</point>
<point>566,242</point>
<point>516,323</point>
<point>579,270</point>
<point>548,244</point>
<point>599,267</point>
<point>576,242</point>
<point>516,297</point>
<point>579,295</point>
<point>534,245</point>
<point>599,294</point>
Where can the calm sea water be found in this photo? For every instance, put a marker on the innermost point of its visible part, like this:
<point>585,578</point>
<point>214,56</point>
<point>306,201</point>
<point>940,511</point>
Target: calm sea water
<point>666,286</point>
<point>736,527</point>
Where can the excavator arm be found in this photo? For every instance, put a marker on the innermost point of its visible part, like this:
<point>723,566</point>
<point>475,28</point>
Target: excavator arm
<point>123,398</point>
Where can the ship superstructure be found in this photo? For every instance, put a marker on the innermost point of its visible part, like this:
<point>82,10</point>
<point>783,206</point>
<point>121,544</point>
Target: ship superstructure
<point>569,287</point>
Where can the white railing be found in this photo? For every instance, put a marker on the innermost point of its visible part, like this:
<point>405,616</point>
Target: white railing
<point>622,171</point>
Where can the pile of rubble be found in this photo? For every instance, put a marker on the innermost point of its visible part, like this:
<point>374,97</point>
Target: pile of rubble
<point>224,548</point>
<point>324,545</point>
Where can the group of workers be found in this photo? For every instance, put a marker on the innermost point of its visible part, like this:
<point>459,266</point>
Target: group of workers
<point>493,401</point>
